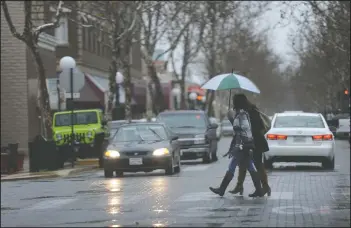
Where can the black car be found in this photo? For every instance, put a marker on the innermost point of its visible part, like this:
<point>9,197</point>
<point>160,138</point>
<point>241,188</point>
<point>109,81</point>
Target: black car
<point>142,147</point>
<point>197,136</point>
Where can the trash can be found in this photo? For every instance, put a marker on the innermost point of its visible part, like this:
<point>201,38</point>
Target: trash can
<point>13,157</point>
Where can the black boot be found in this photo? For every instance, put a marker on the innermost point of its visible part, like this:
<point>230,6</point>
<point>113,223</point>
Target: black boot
<point>225,182</point>
<point>257,183</point>
<point>238,189</point>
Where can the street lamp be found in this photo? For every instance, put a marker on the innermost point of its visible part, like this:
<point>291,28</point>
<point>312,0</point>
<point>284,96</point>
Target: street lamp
<point>119,81</point>
<point>68,63</point>
<point>175,92</point>
<point>192,97</point>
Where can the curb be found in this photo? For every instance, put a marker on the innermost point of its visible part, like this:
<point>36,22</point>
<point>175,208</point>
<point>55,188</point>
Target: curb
<point>52,174</point>
<point>87,162</point>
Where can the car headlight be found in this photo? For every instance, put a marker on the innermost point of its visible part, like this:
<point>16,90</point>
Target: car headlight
<point>160,152</point>
<point>112,154</point>
<point>89,134</point>
<point>58,136</point>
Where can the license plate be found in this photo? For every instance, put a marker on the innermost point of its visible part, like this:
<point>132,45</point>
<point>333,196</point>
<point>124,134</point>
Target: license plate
<point>299,139</point>
<point>135,161</point>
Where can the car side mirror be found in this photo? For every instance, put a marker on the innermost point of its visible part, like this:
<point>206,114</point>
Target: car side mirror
<point>213,125</point>
<point>175,137</point>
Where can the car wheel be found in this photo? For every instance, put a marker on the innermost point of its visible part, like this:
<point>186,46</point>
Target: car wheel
<point>329,164</point>
<point>119,174</point>
<point>108,173</point>
<point>268,163</point>
<point>170,168</point>
<point>177,168</point>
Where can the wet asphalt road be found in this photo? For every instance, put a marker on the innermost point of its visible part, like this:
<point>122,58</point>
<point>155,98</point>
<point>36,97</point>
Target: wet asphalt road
<point>303,195</point>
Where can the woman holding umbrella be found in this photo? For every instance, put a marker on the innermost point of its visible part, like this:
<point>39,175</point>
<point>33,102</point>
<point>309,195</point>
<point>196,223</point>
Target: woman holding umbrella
<point>241,148</point>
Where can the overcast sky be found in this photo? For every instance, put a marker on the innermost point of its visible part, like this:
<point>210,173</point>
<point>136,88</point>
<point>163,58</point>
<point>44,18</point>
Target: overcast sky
<point>278,39</point>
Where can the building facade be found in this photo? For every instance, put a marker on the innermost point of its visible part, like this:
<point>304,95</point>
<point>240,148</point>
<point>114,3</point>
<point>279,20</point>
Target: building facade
<point>20,120</point>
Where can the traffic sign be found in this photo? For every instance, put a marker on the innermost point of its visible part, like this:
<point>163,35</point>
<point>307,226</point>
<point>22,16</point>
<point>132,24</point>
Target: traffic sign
<point>78,80</point>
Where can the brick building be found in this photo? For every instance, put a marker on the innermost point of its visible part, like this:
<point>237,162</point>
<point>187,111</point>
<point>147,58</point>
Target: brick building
<point>19,74</point>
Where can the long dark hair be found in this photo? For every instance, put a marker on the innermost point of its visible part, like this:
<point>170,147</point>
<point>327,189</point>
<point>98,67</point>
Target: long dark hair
<point>240,101</point>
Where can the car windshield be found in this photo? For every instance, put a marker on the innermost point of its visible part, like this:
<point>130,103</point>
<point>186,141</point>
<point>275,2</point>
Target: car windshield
<point>183,120</point>
<point>226,123</point>
<point>79,118</point>
<point>140,133</point>
<point>299,122</point>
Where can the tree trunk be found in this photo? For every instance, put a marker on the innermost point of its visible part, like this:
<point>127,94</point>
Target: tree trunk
<point>112,85</point>
<point>158,101</point>
<point>45,109</point>
<point>127,80</point>
<point>183,93</point>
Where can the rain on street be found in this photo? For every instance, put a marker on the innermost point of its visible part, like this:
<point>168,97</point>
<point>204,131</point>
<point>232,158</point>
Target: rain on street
<point>302,195</point>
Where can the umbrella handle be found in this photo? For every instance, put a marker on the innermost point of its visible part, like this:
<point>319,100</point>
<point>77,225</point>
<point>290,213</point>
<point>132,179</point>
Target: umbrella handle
<point>230,95</point>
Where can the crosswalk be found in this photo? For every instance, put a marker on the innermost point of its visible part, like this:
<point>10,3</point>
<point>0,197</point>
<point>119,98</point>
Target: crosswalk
<point>116,200</point>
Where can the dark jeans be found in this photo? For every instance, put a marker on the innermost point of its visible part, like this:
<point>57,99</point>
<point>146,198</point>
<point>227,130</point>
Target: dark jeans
<point>243,159</point>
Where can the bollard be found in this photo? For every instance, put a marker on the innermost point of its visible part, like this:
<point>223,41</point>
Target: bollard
<point>13,157</point>
<point>98,147</point>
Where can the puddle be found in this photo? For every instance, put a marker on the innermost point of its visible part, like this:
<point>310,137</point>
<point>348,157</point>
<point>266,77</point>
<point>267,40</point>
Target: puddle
<point>8,209</point>
<point>86,222</point>
<point>46,197</point>
<point>249,221</point>
<point>225,209</point>
<point>42,181</point>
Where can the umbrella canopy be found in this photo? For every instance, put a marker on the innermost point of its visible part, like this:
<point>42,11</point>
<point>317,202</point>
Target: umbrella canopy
<point>230,81</point>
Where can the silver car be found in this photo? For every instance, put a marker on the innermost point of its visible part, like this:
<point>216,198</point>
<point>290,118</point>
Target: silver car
<point>227,128</point>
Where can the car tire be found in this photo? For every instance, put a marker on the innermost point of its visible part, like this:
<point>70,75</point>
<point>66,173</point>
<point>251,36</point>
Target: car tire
<point>268,163</point>
<point>170,168</point>
<point>119,174</point>
<point>108,173</point>
<point>329,164</point>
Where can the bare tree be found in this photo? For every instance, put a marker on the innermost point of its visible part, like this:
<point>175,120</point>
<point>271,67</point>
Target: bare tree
<point>157,21</point>
<point>30,36</point>
<point>192,41</point>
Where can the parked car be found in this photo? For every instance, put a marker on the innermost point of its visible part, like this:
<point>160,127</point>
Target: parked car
<point>227,128</point>
<point>197,135</point>
<point>300,137</point>
<point>343,130</point>
<point>219,128</point>
<point>144,146</point>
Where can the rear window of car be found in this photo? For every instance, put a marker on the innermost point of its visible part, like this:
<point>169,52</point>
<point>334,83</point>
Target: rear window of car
<point>298,122</point>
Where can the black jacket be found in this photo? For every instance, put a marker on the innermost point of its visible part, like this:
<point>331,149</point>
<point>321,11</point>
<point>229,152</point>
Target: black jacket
<point>261,144</point>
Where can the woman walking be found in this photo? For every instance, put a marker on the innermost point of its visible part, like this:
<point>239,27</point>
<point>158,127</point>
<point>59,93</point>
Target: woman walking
<point>241,147</point>
<point>261,146</point>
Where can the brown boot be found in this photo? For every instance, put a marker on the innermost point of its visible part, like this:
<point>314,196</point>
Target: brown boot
<point>239,188</point>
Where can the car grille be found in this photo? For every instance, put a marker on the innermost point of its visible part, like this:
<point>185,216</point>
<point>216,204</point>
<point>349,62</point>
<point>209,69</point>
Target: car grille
<point>186,136</point>
<point>186,143</point>
<point>79,137</point>
<point>135,153</point>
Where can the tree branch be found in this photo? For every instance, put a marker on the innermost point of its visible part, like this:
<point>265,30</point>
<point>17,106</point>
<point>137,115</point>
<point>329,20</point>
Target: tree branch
<point>10,23</point>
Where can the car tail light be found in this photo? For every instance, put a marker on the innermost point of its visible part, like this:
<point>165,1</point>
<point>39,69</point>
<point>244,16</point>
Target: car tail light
<point>276,137</point>
<point>322,137</point>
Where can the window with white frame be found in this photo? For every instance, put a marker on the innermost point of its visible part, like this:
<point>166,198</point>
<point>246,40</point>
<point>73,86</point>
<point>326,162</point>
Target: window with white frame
<point>61,32</point>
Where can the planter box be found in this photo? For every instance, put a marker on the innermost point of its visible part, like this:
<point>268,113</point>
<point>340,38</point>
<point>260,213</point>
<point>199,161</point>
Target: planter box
<point>4,163</point>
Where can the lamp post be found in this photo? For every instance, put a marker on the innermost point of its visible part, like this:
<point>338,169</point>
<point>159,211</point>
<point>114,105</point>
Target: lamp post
<point>192,97</point>
<point>119,81</point>
<point>175,93</point>
<point>68,63</point>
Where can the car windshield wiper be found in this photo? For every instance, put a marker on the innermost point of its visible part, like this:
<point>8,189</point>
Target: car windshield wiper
<point>186,127</point>
<point>155,133</point>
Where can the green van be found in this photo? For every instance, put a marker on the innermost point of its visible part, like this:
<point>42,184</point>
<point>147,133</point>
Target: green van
<point>87,124</point>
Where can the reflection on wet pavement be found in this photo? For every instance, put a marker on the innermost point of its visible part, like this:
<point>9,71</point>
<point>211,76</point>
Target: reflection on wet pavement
<point>300,197</point>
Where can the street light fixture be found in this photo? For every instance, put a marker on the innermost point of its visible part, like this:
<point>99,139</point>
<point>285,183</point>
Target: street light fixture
<point>119,81</point>
<point>192,97</point>
<point>68,63</point>
<point>175,92</point>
